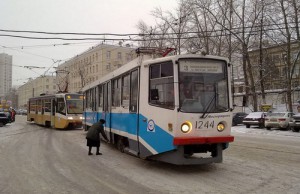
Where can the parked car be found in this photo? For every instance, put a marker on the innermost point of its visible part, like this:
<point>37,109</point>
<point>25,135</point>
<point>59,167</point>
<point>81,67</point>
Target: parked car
<point>278,120</point>
<point>238,118</point>
<point>295,123</point>
<point>8,114</point>
<point>3,119</point>
<point>255,118</point>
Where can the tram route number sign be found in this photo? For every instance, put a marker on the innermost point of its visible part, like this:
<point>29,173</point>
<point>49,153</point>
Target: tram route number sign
<point>194,67</point>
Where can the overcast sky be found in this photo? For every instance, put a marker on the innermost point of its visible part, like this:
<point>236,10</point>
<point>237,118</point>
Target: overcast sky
<point>80,16</point>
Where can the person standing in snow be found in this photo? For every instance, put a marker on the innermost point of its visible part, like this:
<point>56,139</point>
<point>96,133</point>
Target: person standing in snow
<point>93,136</point>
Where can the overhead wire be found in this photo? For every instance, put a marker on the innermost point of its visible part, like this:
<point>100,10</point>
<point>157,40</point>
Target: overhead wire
<point>127,36</point>
<point>130,34</point>
<point>150,34</point>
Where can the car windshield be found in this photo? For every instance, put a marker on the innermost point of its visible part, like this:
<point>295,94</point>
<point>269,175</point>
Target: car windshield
<point>203,86</point>
<point>2,115</point>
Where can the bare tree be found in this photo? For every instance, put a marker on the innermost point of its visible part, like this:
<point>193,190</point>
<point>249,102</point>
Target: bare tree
<point>177,24</point>
<point>156,36</point>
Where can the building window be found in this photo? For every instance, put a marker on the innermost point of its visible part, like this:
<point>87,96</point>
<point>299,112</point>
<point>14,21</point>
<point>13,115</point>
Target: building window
<point>128,57</point>
<point>108,66</point>
<point>108,53</point>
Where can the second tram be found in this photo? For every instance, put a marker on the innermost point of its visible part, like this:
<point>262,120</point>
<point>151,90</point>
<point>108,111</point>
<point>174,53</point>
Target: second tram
<point>60,111</point>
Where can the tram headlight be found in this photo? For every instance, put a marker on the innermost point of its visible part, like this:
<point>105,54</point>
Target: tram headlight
<point>220,127</point>
<point>81,118</point>
<point>70,118</point>
<point>186,127</point>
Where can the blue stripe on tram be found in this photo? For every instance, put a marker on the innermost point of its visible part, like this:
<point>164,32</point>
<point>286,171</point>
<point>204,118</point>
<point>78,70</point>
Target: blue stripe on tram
<point>158,138</point>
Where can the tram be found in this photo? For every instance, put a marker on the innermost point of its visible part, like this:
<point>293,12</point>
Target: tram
<point>175,109</point>
<point>60,111</point>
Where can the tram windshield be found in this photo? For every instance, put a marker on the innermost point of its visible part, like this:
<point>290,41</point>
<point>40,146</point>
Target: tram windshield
<point>74,104</point>
<point>203,86</point>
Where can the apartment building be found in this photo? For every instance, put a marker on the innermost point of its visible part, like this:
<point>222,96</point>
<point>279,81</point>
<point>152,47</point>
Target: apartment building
<point>5,74</point>
<point>91,65</point>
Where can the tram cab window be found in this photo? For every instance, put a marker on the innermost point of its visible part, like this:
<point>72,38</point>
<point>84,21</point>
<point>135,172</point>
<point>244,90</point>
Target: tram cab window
<point>162,85</point>
<point>203,86</point>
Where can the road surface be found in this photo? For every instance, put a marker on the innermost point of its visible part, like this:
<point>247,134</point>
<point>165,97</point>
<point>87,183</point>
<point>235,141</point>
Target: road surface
<point>44,160</point>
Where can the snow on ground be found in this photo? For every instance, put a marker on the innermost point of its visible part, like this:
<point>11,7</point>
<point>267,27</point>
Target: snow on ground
<point>263,131</point>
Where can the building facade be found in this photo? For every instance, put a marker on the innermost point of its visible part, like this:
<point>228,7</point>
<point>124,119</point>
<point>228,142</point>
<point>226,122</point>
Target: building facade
<point>5,74</point>
<point>36,87</point>
<point>272,70</point>
<point>91,65</point>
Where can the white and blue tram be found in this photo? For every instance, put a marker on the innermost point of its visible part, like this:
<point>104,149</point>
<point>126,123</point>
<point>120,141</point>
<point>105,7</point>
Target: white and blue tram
<point>175,109</point>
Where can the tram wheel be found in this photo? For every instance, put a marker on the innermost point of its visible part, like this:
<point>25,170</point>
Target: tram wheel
<point>120,144</point>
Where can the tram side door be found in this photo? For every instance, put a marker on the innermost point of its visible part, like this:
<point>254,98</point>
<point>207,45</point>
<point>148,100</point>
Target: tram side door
<point>52,114</point>
<point>134,111</point>
<point>107,108</point>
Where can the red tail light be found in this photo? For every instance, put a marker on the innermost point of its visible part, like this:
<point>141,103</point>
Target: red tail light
<point>281,119</point>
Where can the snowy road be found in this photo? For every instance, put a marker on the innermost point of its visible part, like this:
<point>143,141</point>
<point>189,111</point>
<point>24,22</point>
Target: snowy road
<point>41,160</point>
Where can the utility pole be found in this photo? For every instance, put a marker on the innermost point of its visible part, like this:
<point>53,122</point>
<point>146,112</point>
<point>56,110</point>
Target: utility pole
<point>230,49</point>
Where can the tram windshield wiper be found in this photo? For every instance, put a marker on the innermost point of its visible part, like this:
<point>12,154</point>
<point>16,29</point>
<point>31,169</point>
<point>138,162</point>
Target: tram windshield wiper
<point>209,105</point>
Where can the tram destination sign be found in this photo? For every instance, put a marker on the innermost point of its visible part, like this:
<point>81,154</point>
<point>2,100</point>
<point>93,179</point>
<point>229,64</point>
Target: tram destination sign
<point>201,66</point>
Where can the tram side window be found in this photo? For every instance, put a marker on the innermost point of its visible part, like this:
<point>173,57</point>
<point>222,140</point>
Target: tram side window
<point>116,92</point>
<point>87,99</point>
<point>94,105</point>
<point>162,85</point>
<point>47,105</point>
<point>39,106</point>
<point>61,108</point>
<point>42,105</point>
<point>32,106</point>
<point>125,90</point>
<point>105,97</point>
<point>134,91</point>
<point>100,97</point>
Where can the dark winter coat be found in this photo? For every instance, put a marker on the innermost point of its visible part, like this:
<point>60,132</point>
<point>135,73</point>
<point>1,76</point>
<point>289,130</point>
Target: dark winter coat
<point>95,130</point>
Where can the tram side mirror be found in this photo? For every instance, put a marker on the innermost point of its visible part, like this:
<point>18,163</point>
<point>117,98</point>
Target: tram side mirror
<point>154,94</point>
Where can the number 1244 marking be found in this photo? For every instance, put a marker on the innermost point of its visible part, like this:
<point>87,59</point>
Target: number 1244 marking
<point>207,124</point>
